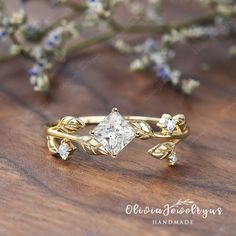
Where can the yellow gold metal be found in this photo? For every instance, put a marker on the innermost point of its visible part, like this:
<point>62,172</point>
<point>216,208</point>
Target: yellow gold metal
<point>63,131</point>
<point>114,109</point>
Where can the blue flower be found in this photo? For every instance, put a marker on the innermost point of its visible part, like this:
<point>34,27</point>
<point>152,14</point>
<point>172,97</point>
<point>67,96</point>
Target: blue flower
<point>54,39</point>
<point>149,45</point>
<point>50,43</point>
<point>164,72</point>
<point>32,72</point>
<point>35,70</point>
<point>3,33</point>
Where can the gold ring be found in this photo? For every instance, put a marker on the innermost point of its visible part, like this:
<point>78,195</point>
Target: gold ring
<point>114,132</point>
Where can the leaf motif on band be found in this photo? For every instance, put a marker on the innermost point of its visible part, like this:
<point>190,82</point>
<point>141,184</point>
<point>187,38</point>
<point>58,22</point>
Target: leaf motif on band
<point>162,150</point>
<point>181,122</point>
<point>179,118</point>
<point>52,145</point>
<point>143,129</point>
<point>70,124</point>
<point>92,146</point>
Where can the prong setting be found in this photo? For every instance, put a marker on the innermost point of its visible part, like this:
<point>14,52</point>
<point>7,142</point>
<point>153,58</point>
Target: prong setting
<point>113,155</point>
<point>114,109</point>
<point>91,132</point>
<point>168,123</point>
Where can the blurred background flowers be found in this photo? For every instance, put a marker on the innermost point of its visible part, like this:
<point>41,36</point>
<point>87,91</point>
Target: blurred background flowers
<point>48,43</point>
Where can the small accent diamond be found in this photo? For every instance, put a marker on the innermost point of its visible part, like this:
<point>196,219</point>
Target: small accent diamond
<point>64,151</point>
<point>173,159</point>
<point>171,124</point>
<point>114,133</point>
<point>168,122</point>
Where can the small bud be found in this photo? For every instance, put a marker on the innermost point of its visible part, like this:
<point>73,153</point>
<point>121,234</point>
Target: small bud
<point>15,50</point>
<point>189,85</point>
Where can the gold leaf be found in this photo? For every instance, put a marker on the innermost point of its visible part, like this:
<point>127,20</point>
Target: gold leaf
<point>162,150</point>
<point>92,146</point>
<point>70,124</point>
<point>52,145</point>
<point>143,130</point>
<point>181,122</point>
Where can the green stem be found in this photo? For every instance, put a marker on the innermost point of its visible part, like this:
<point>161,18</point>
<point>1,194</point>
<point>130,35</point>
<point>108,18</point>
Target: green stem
<point>136,29</point>
<point>90,42</point>
<point>165,28</point>
<point>117,28</point>
<point>7,58</point>
<point>75,6</point>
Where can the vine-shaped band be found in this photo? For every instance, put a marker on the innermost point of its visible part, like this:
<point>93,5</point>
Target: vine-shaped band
<point>114,132</point>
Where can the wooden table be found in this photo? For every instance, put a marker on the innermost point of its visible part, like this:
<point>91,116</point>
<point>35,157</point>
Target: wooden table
<point>41,195</point>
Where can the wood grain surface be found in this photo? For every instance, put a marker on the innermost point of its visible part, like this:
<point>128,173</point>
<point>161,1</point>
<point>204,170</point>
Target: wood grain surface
<point>41,195</point>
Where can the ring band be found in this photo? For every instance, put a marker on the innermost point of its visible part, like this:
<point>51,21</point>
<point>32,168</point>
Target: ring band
<point>114,132</point>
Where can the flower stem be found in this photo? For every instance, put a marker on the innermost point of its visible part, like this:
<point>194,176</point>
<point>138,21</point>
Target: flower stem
<point>90,42</point>
<point>117,28</point>
<point>7,58</point>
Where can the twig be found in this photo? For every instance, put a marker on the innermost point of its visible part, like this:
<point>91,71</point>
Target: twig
<point>90,42</point>
<point>204,20</point>
<point>7,58</point>
<point>75,6</point>
<point>116,28</point>
<point>136,29</point>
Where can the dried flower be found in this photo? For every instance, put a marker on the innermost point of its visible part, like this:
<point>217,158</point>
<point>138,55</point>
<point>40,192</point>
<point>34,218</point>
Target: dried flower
<point>3,33</point>
<point>48,42</point>
<point>15,49</point>
<point>189,85</point>
<point>18,18</point>
<point>33,32</point>
<point>40,83</point>
<point>121,46</point>
<point>139,64</point>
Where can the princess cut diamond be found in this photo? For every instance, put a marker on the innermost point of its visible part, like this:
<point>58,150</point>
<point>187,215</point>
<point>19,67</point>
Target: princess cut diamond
<point>114,133</point>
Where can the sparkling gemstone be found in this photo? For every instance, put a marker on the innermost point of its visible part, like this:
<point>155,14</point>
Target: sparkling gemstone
<point>168,122</point>
<point>64,151</point>
<point>173,159</point>
<point>171,124</point>
<point>114,133</point>
<point>163,121</point>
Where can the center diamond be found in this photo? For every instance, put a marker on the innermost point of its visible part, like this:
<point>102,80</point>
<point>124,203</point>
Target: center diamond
<point>114,133</point>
